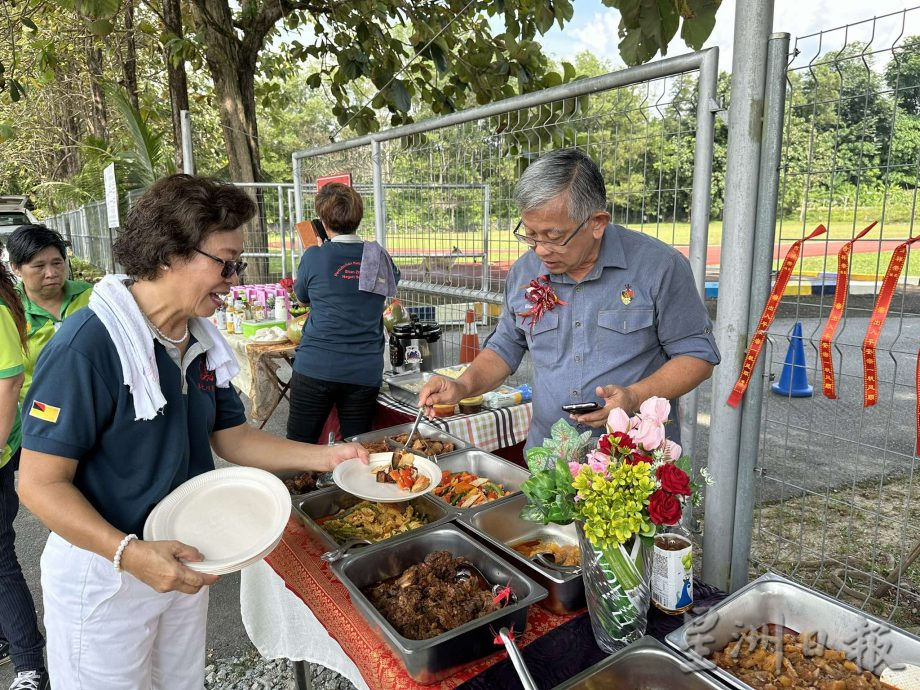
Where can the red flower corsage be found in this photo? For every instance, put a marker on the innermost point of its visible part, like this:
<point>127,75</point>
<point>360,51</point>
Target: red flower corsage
<point>539,292</point>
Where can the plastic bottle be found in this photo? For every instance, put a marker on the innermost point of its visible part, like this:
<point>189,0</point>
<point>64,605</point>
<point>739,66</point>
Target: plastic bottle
<point>221,318</point>
<point>281,312</point>
<point>519,395</point>
<point>231,318</point>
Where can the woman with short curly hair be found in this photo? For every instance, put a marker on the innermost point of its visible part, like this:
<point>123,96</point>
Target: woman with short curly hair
<point>148,398</point>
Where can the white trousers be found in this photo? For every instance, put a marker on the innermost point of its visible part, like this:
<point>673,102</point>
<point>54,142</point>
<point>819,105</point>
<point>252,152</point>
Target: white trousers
<point>109,631</point>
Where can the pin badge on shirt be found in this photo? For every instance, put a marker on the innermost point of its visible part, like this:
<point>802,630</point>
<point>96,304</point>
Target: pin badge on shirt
<point>627,295</point>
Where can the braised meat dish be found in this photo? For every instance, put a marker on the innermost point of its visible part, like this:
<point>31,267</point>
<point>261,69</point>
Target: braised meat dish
<point>301,483</point>
<point>800,664</point>
<point>425,446</point>
<point>427,599</point>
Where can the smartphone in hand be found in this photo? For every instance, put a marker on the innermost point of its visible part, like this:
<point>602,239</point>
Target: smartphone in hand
<point>580,408</point>
<point>320,230</point>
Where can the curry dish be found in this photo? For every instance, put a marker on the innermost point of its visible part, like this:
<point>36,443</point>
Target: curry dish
<point>563,554</point>
<point>800,665</point>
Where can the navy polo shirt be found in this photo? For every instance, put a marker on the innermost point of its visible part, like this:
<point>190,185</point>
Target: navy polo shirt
<point>78,407</point>
<point>343,338</point>
<point>635,310</point>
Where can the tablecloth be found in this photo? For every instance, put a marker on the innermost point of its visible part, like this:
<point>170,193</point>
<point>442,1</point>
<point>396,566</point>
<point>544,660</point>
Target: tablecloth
<point>264,387</point>
<point>334,634</point>
<point>488,430</point>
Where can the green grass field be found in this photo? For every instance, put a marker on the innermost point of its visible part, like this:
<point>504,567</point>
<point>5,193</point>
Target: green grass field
<point>504,248</point>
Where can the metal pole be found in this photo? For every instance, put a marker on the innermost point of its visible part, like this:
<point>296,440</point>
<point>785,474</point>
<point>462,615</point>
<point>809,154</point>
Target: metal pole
<point>753,23</point>
<point>574,89</point>
<point>379,205</point>
<point>700,206</point>
<point>281,229</point>
<point>764,231</point>
<point>486,221</point>
<point>188,157</point>
<point>298,190</point>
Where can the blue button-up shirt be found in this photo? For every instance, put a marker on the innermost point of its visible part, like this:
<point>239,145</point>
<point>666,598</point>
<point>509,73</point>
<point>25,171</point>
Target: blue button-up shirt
<point>635,310</point>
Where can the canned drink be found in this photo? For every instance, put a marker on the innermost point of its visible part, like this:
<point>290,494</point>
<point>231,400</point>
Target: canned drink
<point>672,573</point>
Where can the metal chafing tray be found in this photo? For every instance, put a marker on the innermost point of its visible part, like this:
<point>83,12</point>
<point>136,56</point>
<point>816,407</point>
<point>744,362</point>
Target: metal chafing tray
<point>427,661</point>
<point>772,599</point>
<point>489,466</point>
<point>406,387</point>
<point>646,664</point>
<point>425,430</point>
<point>311,507</point>
<point>500,525</point>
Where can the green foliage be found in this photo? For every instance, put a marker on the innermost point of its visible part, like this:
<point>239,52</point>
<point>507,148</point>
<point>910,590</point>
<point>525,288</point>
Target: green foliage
<point>550,495</point>
<point>647,26</point>
<point>565,444</point>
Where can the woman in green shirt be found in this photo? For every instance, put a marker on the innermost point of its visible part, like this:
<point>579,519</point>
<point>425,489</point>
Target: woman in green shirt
<point>20,638</point>
<point>38,255</point>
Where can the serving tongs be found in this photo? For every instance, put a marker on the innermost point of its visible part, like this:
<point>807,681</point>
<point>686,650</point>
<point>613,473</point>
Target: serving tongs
<point>504,596</point>
<point>517,660</point>
<point>394,463</point>
<point>342,551</point>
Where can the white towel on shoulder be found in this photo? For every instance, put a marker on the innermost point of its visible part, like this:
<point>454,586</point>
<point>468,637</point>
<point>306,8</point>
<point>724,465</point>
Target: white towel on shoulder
<point>114,304</point>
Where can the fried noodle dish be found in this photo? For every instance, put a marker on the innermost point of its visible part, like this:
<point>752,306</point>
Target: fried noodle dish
<point>372,521</point>
<point>800,663</point>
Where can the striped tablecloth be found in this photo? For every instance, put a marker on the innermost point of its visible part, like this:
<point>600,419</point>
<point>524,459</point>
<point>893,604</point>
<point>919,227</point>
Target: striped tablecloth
<point>488,430</point>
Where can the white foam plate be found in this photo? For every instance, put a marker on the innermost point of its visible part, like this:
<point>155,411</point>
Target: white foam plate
<point>273,341</point>
<point>360,480</point>
<point>233,516</point>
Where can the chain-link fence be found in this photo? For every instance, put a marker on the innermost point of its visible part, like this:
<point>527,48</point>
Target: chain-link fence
<point>270,244</point>
<point>837,492</point>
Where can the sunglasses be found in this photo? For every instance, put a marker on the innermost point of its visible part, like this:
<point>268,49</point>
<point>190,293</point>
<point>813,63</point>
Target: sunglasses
<point>229,267</point>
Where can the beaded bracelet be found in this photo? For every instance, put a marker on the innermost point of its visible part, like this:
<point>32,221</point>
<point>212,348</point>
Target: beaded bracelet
<point>116,561</point>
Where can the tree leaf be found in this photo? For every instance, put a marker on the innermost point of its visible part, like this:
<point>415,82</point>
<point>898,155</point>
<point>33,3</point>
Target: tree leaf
<point>101,28</point>
<point>400,96</point>
<point>699,26</point>
<point>6,132</point>
<point>29,24</point>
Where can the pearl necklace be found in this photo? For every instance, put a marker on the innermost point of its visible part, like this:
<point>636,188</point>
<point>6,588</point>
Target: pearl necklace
<point>165,337</point>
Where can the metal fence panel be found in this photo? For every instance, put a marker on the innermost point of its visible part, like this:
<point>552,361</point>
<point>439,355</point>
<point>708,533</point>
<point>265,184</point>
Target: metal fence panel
<point>837,492</point>
<point>441,198</point>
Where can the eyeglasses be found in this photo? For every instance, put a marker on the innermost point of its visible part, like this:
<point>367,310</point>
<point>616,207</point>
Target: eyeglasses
<point>229,267</point>
<point>532,242</point>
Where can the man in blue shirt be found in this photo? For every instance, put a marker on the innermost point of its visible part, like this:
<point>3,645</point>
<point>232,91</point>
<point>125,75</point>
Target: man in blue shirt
<point>611,314</point>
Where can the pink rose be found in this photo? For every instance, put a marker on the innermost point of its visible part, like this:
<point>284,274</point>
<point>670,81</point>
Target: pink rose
<point>672,450</point>
<point>655,409</point>
<point>575,468</point>
<point>649,434</point>
<point>598,461</point>
<point>618,421</point>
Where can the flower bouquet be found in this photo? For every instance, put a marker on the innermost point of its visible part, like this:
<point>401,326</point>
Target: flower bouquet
<point>620,494</point>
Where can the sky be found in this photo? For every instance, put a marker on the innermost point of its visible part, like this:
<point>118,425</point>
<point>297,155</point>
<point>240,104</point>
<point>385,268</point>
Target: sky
<point>594,27</point>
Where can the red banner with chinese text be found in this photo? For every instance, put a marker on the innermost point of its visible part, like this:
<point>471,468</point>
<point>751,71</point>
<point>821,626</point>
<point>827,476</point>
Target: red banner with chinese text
<point>833,319</point>
<point>877,320</point>
<point>766,318</point>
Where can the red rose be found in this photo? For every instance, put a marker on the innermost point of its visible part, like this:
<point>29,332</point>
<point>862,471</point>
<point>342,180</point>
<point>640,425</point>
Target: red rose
<point>663,508</point>
<point>623,441</point>
<point>636,458</point>
<point>673,479</point>
<point>604,444</point>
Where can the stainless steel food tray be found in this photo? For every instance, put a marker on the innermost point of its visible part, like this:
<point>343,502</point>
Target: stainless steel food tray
<point>772,599</point>
<point>425,430</point>
<point>318,504</point>
<point>427,661</point>
<point>484,464</point>
<point>499,524</point>
<point>405,387</point>
<point>646,664</point>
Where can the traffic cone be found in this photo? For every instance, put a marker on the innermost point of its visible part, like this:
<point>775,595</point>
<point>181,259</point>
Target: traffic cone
<point>469,341</point>
<point>793,382</point>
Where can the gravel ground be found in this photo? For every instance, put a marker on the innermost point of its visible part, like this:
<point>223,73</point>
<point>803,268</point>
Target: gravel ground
<point>252,672</point>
